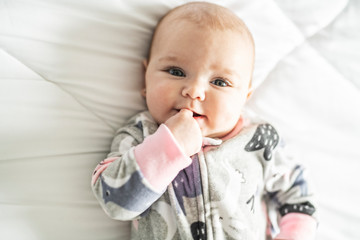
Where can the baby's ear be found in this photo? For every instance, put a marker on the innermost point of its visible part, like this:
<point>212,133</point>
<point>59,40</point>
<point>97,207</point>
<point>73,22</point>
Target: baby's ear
<point>250,90</point>
<point>145,63</point>
<point>143,91</point>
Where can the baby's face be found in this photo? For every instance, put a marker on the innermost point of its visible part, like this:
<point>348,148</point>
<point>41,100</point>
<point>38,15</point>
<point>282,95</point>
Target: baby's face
<point>203,70</point>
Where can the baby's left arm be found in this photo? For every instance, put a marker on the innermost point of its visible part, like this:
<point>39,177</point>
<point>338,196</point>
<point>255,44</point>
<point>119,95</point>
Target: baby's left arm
<point>288,185</point>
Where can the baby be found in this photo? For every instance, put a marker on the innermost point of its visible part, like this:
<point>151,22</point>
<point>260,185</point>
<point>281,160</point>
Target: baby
<point>191,167</point>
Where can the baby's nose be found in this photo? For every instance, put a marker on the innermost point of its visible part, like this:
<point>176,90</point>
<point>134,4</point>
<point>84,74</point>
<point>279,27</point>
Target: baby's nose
<point>195,90</point>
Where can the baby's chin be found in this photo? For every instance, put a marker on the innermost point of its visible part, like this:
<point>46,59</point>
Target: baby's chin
<point>212,134</point>
<point>219,133</point>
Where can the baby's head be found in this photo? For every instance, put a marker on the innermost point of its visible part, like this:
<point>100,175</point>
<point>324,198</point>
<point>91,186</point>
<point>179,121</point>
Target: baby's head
<point>201,58</point>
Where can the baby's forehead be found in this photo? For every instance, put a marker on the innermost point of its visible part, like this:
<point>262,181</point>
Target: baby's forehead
<point>206,15</point>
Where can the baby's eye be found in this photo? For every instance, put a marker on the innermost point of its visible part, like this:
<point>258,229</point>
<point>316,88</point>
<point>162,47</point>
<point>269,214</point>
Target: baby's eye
<point>221,83</point>
<point>176,72</point>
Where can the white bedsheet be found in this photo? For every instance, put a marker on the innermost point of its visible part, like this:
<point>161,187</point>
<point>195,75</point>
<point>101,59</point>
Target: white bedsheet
<point>70,75</point>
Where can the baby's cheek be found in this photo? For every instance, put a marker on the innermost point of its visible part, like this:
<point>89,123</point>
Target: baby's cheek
<point>227,115</point>
<point>160,102</point>
<point>158,93</point>
<point>162,96</point>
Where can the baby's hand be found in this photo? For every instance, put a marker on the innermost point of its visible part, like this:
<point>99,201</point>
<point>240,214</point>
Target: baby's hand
<point>186,131</point>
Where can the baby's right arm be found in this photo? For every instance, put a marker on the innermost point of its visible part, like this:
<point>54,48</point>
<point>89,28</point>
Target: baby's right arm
<point>128,182</point>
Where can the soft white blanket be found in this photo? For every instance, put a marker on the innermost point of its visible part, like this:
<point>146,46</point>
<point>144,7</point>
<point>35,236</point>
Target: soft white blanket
<point>70,75</point>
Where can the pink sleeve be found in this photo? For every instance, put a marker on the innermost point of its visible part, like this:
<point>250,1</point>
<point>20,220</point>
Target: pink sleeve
<point>297,226</point>
<point>160,158</point>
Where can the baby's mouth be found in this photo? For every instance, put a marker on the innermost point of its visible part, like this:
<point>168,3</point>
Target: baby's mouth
<point>195,114</point>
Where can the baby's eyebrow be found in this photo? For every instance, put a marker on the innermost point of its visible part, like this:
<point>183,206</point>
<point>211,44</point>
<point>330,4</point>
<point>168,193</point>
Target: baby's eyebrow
<point>227,71</point>
<point>168,58</point>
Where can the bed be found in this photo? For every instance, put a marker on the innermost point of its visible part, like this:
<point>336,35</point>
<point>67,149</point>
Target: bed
<point>71,74</point>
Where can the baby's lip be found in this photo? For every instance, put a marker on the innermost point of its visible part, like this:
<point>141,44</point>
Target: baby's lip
<point>195,114</point>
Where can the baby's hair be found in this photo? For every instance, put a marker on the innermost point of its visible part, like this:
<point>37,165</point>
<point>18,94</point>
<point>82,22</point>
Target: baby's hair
<point>206,15</point>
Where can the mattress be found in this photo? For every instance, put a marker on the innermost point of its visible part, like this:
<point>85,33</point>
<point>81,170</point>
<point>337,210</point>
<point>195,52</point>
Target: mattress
<point>71,74</point>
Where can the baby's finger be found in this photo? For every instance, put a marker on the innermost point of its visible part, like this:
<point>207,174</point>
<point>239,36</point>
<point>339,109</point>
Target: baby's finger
<point>186,111</point>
